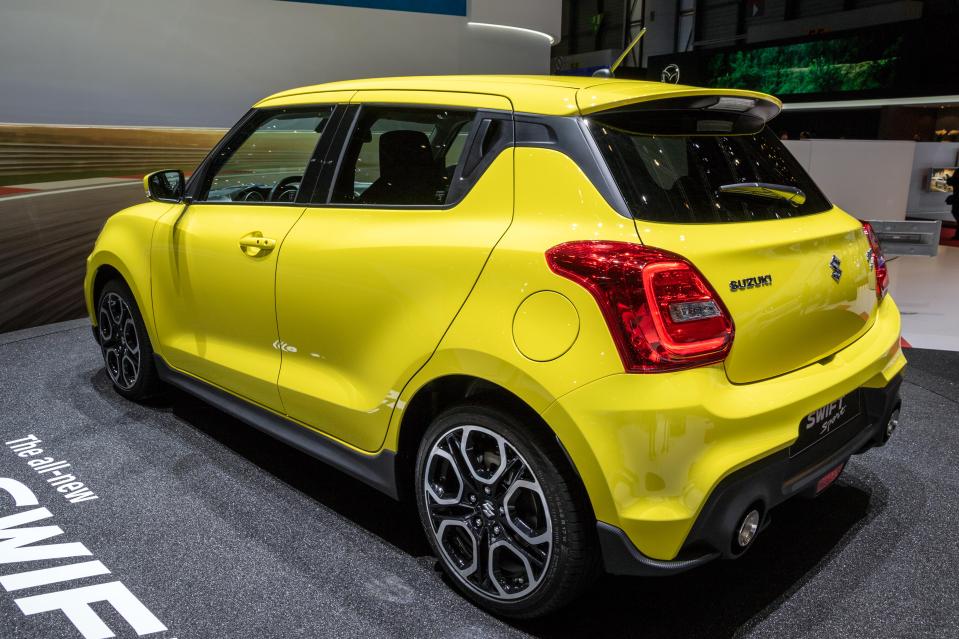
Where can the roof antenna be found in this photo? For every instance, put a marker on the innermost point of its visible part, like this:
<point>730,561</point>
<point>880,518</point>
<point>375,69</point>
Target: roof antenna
<point>610,72</point>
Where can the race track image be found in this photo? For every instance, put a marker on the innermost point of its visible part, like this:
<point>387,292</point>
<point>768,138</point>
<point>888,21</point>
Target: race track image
<point>58,185</point>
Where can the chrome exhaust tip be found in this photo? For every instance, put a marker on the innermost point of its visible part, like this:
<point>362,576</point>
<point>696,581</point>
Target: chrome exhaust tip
<point>747,529</point>
<point>892,424</point>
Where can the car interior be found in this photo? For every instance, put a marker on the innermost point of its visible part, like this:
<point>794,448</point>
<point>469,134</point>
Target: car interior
<point>402,157</point>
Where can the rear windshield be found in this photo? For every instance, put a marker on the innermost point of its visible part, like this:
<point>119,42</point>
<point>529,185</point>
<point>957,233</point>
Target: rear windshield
<point>676,178</point>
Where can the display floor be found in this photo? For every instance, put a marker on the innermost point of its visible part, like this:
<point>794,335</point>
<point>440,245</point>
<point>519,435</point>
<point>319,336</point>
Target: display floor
<point>927,292</point>
<point>219,531</point>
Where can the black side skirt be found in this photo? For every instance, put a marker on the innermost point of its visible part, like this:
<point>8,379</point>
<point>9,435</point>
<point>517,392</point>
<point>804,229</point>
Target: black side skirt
<point>376,470</point>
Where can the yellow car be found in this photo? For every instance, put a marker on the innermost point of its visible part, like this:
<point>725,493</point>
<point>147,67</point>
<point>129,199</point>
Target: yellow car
<point>581,323</point>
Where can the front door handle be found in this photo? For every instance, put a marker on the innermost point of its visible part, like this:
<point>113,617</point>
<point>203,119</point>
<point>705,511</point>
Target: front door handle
<point>255,244</point>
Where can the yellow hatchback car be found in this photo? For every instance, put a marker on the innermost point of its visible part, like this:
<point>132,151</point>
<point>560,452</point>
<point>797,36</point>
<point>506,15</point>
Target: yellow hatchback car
<point>581,323</point>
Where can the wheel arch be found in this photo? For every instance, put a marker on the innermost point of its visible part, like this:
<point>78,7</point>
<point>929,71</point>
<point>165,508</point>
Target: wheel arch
<point>446,391</point>
<point>105,266</point>
<point>104,274</point>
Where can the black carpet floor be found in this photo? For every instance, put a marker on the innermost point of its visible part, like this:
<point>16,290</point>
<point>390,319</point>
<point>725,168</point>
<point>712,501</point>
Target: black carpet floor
<point>222,532</point>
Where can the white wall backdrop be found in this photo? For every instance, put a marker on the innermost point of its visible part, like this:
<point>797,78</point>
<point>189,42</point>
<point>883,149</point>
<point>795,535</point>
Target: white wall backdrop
<point>878,179</point>
<point>203,62</point>
<point>867,178</point>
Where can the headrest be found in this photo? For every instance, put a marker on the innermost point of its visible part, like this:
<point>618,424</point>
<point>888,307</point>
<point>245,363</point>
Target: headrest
<point>404,151</point>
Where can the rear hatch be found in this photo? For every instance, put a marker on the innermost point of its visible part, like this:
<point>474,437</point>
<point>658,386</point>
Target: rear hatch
<point>704,178</point>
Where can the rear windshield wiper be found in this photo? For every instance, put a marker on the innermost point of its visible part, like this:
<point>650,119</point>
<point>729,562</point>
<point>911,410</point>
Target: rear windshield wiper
<point>766,190</point>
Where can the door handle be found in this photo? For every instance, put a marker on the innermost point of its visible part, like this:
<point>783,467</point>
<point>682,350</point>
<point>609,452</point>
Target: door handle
<point>255,244</point>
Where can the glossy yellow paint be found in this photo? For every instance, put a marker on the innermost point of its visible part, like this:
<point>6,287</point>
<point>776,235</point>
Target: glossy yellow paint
<point>119,247</point>
<point>365,295</point>
<point>545,326</point>
<point>554,203</point>
<point>356,310</point>
<point>434,98</point>
<point>214,302</point>
<point>666,440</point>
<point>547,95</point>
<point>805,315</point>
<point>308,99</point>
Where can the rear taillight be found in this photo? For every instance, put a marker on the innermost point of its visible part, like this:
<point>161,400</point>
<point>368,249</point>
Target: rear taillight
<point>878,261</point>
<point>662,313</point>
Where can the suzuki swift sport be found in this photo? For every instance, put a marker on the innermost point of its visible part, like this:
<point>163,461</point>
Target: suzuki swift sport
<point>581,324</point>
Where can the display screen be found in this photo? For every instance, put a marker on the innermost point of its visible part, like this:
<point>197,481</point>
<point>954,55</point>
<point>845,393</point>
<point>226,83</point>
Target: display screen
<point>853,63</point>
<point>891,60</point>
<point>939,179</point>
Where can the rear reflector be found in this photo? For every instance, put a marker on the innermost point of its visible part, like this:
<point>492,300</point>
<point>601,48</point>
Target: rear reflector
<point>661,312</point>
<point>826,480</point>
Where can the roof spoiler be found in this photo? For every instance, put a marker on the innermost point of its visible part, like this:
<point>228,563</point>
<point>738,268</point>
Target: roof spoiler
<point>710,114</point>
<point>756,105</point>
<point>691,108</point>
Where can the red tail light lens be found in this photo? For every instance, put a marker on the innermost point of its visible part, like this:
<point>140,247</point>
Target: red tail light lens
<point>878,261</point>
<point>662,313</point>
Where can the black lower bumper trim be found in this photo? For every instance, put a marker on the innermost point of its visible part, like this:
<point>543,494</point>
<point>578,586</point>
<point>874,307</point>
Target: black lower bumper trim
<point>762,485</point>
<point>620,556</point>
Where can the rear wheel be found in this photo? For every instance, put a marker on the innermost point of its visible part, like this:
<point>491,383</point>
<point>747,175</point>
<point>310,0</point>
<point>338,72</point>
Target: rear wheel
<point>502,514</point>
<point>127,352</point>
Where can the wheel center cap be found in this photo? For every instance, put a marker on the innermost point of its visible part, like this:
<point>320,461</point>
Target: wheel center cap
<point>488,509</point>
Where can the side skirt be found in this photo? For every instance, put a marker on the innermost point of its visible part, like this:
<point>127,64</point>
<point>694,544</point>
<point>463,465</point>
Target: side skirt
<point>376,470</point>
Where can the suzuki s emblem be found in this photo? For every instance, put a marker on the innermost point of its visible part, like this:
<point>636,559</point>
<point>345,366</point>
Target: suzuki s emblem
<point>670,74</point>
<point>834,265</point>
<point>488,509</point>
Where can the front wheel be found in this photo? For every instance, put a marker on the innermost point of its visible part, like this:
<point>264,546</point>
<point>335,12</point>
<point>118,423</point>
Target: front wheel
<point>127,352</point>
<point>501,511</point>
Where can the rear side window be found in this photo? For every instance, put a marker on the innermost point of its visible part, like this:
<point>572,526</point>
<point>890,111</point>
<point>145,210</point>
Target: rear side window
<point>677,178</point>
<point>402,156</point>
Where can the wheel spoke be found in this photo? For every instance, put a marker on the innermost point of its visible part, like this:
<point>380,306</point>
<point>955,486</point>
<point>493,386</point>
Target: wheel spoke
<point>112,360</point>
<point>452,535</point>
<point>484,462</point>
<point>536,532</point>
<point>441,467</point>
<point>129,368</point>
<point>115,305</point>
<point>516,581</point>
<point>130,340</point>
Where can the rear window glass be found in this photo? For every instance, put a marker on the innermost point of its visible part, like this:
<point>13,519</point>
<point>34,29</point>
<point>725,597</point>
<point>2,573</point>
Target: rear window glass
<point>677,178</point>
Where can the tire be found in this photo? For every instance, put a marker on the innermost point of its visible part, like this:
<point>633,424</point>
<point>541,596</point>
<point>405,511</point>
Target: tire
<point>533,531</point>
<point>125,344</point>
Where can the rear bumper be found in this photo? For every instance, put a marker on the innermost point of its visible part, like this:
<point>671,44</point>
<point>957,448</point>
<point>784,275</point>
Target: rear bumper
<point>764,485</point>
<point>661,455</point>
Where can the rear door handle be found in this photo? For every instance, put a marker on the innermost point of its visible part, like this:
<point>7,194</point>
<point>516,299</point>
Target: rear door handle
<point>255,244</point>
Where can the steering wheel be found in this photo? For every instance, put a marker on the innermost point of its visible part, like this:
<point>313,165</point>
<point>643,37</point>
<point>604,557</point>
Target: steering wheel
<point>286,189</point>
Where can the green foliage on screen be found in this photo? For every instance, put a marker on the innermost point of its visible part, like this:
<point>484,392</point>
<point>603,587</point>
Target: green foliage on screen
<point>854,63</point>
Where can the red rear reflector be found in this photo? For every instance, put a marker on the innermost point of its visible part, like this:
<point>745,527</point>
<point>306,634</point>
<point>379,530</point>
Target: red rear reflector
<point>661,312</point>
<point>878,261</point>
<point>826,480</point>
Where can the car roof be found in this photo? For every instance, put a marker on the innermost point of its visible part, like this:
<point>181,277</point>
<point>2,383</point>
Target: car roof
<point>540,94</point>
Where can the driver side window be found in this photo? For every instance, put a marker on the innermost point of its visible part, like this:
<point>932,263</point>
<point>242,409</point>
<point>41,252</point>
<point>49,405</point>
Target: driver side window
<point>266,162</point>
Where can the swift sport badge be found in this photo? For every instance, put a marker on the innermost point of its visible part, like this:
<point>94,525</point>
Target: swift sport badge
<point>750,282</point>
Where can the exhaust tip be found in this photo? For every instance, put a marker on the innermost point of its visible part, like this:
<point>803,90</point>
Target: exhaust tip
<point>892,424</point>
<point>747,529</point>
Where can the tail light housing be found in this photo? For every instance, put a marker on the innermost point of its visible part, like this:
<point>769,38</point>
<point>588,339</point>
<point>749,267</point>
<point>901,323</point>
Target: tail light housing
<point>878,261</point>
<point>661,312</point>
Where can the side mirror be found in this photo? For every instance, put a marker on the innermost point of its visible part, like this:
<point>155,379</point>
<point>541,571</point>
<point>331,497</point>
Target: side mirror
<point>164,186</point>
